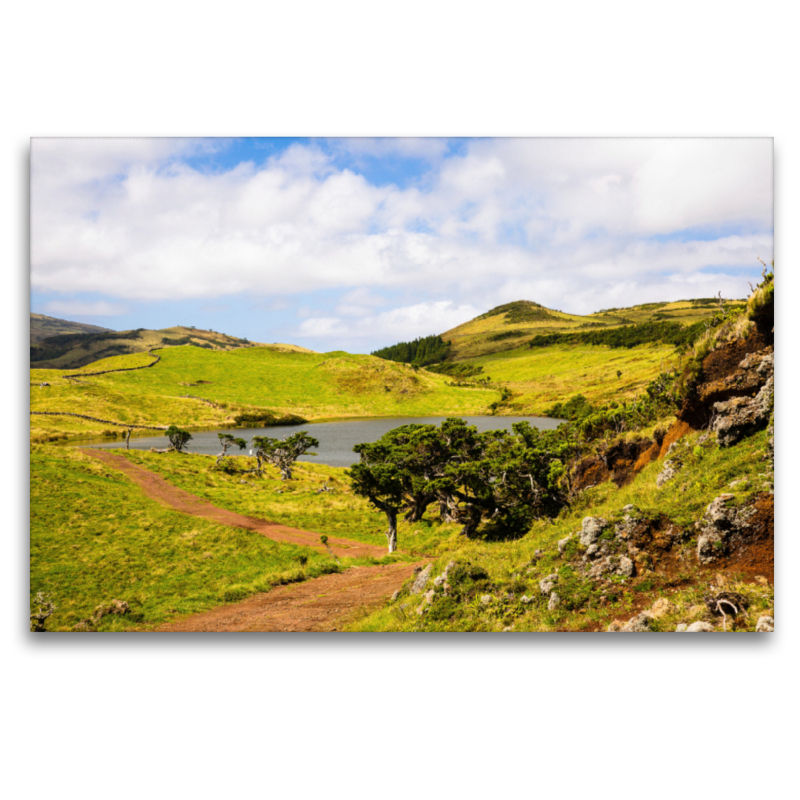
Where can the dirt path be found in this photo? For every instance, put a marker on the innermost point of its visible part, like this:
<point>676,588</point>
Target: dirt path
<point>164,492</point>
<point>323,604</point>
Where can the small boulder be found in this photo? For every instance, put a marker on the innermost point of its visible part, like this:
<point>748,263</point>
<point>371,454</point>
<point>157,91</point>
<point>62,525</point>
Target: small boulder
<point>660,607</point>
<point>554,602</point>
<point>486,599</point>
<point>700,627</point>
<point>765,624</point>
<point>681,628</point>
<point>668,472</point>
<point>525,599</point>
<point>591,528</point>
<point>546,584</point>
<point>395,596</point>
<point>421,579</point>
<point>638,624</point>
<point>562,543</point>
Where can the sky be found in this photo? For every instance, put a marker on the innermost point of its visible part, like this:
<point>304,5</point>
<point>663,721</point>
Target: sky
<point>355,244</point>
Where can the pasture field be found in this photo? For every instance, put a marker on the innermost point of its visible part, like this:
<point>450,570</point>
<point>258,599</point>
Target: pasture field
<point>298,502</point>
<point>96,537</point>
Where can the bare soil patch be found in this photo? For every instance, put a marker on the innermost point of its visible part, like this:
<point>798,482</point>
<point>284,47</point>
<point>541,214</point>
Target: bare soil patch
<point>323,604</point>
<point>163,492</point>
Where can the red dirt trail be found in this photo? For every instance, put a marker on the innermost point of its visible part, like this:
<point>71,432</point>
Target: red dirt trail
<point>321,604</point>
<point>164,492</point>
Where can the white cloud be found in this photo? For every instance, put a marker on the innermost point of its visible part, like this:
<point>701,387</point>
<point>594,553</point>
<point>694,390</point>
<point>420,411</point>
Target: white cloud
<point>569,223</point>
<point>404,323</point>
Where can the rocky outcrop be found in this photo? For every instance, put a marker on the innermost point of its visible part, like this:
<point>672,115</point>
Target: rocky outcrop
<point>742,536</point>
<point>422,578</point>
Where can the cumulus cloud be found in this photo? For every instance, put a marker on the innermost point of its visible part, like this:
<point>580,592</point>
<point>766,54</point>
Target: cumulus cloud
<point>571,223</point>
<point>404,323</point>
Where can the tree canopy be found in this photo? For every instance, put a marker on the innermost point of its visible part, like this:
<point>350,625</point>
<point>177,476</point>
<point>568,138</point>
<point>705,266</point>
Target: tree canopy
<point>508,478</point>
<point>282,453</point>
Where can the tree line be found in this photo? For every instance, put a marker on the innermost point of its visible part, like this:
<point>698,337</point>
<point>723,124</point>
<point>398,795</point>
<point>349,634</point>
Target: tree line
<point>422,351</point>
<point>627,336</point>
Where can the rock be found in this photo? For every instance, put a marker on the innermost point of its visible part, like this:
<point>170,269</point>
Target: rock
<point>660,607</point>
<point>628,508</point>
<point>736,418</point>
<point>421,580</point>
<point>765,624</point>
<point>439,580</point>
<point>421,609</point>
<point>638,624</point>
<point>429,596</point>
<point>625,528</point>
<point>762,580</point>
<point>554,602</point>
<point>486,599</point>
<point>700,627</point>
<point>668,472</point>
<point>546,584</point>
<point>395,596</point>
<point>616,626</point>
<point>591,550</point>
<point>591,529</point>
<point>625,567</point>
<point>682,628</point>
<point>562,543</point>
<point>722,529</point>
<point>525,599</point>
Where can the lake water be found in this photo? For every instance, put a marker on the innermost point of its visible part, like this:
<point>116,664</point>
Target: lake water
<point>336,439</point>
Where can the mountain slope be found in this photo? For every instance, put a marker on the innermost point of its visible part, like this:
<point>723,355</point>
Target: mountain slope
<point>42,326</point>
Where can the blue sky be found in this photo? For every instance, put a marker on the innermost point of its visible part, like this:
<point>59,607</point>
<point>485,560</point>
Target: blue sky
<point>358,243</point>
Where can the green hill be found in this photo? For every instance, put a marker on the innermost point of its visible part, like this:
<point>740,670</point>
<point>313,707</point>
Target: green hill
<point>508,326</point>
<point>75,349</point>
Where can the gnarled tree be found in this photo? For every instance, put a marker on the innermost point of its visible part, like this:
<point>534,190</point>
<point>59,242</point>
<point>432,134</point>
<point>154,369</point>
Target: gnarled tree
<point>282,453</point>
<point>227,441</point>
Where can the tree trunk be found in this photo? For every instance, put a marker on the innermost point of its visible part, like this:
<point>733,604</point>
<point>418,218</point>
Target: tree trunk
<point>391,534</point>
<point>446,510</point>
<point>417,508</point>
<point>128,439</point>
<point>286,473</point>
<point>471,517</point>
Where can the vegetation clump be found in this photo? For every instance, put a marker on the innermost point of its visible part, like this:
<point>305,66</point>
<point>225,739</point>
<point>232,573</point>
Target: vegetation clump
<point>421,352</point>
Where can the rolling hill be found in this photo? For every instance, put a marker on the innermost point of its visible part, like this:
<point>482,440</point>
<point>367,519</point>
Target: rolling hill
<point>41,327</point>
<point>511,325</point>
<point>73,349</point>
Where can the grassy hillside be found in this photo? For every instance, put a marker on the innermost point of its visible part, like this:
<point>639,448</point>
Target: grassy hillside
<point>95,537</point>
<point>513,569</point>
<point>42,326</point>
<point>539,378</point>
<point>76,349</point>
<point>223,384</point>
<point>508,326</point>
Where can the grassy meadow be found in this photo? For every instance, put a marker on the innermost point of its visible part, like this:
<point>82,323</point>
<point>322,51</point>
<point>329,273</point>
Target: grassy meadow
<point>96,537</point>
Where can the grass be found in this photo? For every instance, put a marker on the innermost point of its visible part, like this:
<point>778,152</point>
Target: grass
<point>473,339</point>
<point>95,537</point>
<point>298,502</point>
<point>313,385</point>
<point>540,378</point>
<point>514,569</point>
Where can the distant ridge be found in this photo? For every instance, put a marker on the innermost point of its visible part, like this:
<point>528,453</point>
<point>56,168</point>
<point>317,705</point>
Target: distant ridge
<point>43,326</point>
